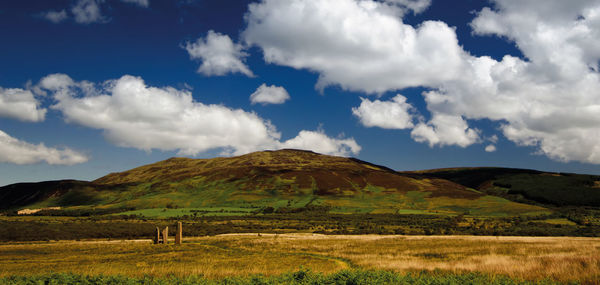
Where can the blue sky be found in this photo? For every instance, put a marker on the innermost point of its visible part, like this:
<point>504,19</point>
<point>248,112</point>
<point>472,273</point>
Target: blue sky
<point>89,87</point>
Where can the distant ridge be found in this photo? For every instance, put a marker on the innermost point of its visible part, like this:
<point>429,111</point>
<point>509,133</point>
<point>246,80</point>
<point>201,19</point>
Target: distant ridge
<point>23,194</point>
<point>525,185</point>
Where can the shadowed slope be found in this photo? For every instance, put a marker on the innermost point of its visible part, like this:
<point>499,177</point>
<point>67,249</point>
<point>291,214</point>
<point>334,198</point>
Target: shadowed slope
<point>525,185</point>
<point>23,194</point>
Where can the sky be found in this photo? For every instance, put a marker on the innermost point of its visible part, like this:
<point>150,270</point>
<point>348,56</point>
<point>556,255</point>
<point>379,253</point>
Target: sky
<point>89,87</point>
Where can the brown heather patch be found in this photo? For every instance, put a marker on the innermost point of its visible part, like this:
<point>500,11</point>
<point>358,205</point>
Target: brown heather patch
<point>446,188</point>
<point>302,179</point>
<point>391,181</point>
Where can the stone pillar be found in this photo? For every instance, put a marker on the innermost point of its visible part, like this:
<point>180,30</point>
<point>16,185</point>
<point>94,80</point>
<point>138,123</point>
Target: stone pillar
<point>179,235</point>
<point>165,234</point>
<point>156,238</point>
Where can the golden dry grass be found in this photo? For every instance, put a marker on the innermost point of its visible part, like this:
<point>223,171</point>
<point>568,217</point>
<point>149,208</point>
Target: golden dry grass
<point>532,258</point>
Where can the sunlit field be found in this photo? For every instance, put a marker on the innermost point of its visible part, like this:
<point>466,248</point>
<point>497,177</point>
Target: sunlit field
<point>528,258</point>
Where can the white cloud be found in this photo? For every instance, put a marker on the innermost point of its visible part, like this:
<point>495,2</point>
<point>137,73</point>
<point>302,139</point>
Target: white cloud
<point>219,55</point>
<point>552,100</point>
<point>55,16</point>
<point>141,3</point>
<point>20,104</point>
<point>490,148</point>
<point>135,115</point>
<point>393,114</point>
<point>16,151</point>
<point>358,45</point>
<point>417,6</point>
<point>269,95</point>
<point>445,130</point>
<point>132,114</point>
<point>321,143</point>
<point>88,11</point>
<point>549,100</point>
<point>57,82</point>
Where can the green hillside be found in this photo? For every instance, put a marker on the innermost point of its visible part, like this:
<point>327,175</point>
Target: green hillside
<point>529,186</point>
<point>284,180</point>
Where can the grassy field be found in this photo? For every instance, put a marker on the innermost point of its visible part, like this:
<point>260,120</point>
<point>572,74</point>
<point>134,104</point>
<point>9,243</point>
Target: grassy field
<point>559,259</point>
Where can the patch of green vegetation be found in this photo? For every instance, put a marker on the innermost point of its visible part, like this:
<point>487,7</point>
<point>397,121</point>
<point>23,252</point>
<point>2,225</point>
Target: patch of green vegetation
<point>493,206</point>
<point>347,210</point>
<point>354,276</point>
<point>417,196</point>
<point>373,189</point>
<point>412,212</point>
<point>559,221</point>
<point>527,186</point>
<point>179,212</point>
<point>558,189</point>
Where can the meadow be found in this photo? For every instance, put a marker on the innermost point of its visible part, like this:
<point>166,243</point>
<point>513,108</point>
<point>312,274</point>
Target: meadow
<point>535,259</point>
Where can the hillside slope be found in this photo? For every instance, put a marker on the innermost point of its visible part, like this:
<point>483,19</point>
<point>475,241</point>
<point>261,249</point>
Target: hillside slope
<point>284,178</point>
<point>529,186</point>
<point>23,194</point>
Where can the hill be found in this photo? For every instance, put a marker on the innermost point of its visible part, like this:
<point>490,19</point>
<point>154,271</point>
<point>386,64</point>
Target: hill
<point>284,179</point>
<point>23,194</point>
<point>528,186</point>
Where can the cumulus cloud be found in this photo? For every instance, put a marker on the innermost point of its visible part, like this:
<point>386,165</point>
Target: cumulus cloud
<point>219,55</point>
<point>132,114</point>
<point>269,95</point>
<point>549,99</point>
<point>55,16</point>
<point>20,104</point>
<point>393,114</point>
<point>16,151</point>
<point>141,3</point>
<point>321,143</point>
<point>88,11</point>
<point>358,45</point>
<point>445,130</point>
<point>490,148</point>
<point>552,99</point>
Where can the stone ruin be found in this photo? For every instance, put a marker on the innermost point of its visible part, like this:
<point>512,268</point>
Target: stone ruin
<point>163,237</point>
<point>179,234</point>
